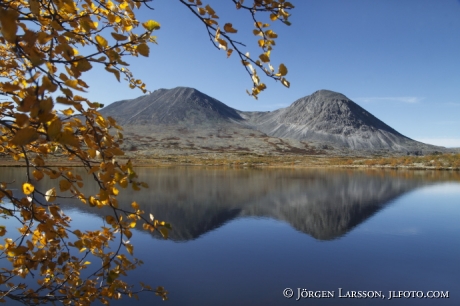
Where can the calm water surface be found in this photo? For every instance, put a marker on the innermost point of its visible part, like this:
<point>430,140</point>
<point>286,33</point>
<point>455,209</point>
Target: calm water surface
<point>241,237</point>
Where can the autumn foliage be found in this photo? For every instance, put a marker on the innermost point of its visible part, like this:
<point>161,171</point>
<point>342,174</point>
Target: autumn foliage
<point>46,47</point>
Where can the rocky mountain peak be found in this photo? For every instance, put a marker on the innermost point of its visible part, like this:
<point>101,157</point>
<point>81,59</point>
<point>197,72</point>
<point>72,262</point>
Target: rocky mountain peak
<point>325,117</point>
<point>328,95</point>
<point>180,105</point>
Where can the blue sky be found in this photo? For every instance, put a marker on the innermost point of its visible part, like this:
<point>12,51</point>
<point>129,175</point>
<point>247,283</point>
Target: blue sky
<point>400,60</point>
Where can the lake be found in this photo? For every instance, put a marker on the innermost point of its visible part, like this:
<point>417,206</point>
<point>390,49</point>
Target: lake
<point>333,237</point>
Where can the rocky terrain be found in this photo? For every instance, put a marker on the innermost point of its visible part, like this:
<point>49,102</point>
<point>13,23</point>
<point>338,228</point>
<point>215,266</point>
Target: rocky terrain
<point>184,121</point>
<point>330,117</point>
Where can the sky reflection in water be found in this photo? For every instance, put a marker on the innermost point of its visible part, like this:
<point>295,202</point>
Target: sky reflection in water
<point>242,236</point>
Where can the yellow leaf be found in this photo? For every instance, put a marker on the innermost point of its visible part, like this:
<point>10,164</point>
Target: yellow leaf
<point>109,219</point>
<point>92,201</point>
<point>209,21</point>
<point>119,37</point>
<point>62,76</point>
<point>38,161</point>
<point>101,41</point>
<point>18,251</point>
<point>229,28</point>
<point>10,87</point>
<point>21,120</point>
<point>27,188</point>
<point>282,70</point>
<point>164,232</point>
<point>271,34</point>
<point>83,65</point>
<point>34,7</point>
<point>64,185</point>
<point>53,174</point>
<point>209,10</point>
<point>72,83</point>
<point>67,112</point>
<point>222,43</point>
<point>115,191</point>
<point>229,52</point>
<point>273,17</point>
<point>123,183</point>
<point>261,86</point>
<point>92,153</point>
<point>129,248</point>
<point>143,49</point>
<point>54,210</point>
<point>68,138</point>
<point>285,82</point>
<point>64,100</point>
<point>56,25</point>
<point>201,10</point>
<point>54,129</point>
<point>123,5</point>
<point>25,136</point>
<point>38,175</point>
<point>264,58</point>
<point>135,205</point>
<point>43,37</point>
<point>8,23</point>
<point>50,195</point>
<point>151,25</point>
<point>115,72</point>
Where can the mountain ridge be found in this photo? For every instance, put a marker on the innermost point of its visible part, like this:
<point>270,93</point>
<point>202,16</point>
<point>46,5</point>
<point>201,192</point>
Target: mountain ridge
<point>332,117</point>
<point>324,117</point>
<point>173,106</point>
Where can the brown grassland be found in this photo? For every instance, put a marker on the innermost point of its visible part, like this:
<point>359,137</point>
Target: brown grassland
<point>447,161</point>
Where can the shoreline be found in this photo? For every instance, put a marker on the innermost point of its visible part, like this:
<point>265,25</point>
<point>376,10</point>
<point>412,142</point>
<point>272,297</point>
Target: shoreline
<point>274,161</point>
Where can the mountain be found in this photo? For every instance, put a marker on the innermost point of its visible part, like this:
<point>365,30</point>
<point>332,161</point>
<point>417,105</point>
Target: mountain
<point>327,118</point>
<point>331,117</point>
<point>180,105</point>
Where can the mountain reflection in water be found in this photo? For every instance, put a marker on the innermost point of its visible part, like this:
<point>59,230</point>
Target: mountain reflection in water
<point>253,257</point>
<point>322,204</point>
<point>325,204</point>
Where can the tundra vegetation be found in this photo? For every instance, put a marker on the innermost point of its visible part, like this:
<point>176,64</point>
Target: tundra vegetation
<point>46,49</point>
<point>445,161</point>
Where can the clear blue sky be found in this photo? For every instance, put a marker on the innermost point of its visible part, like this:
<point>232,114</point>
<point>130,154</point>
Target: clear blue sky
<point>399,59</point>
